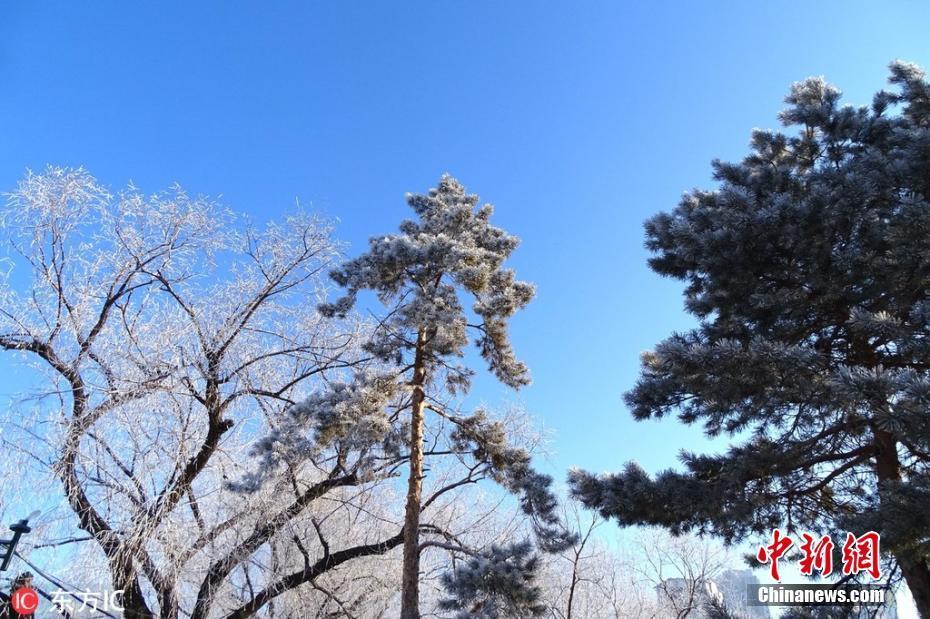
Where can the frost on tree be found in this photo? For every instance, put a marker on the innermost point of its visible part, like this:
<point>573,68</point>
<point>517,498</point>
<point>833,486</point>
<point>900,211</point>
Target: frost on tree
<point>422,275</point>
<point>169,336</point>
<point>497,585</point>
<point>808,269</point>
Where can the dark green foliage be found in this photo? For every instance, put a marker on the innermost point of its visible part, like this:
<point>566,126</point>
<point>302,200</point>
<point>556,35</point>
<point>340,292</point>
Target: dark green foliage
<point>498,584</point>
<point>716,609</point>
<point>809,271</point>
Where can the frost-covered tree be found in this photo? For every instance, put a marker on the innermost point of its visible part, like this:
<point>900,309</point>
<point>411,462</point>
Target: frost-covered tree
<point>808,269</point>
<point>165,337</point>
<point>499,584</point>
<point>421,276</point>
<point>650,575</point>
<point>592,579</point>
<point>679,569</point>
<point>717,609</point>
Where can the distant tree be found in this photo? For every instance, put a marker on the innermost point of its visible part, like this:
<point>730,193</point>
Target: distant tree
<point>680,570</point>
<point>808,269</point>
<point>576,556</point>
<point>592,579</point>
<point>420,276</point>
<point>654,575</point>
<point>717,609</point>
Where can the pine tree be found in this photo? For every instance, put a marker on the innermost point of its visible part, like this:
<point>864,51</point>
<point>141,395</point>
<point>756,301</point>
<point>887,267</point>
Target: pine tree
<point>420,275</point>
<point>826,612</point>
<point>499,584</point>
<point>808,269</point>
<point>716,608</point>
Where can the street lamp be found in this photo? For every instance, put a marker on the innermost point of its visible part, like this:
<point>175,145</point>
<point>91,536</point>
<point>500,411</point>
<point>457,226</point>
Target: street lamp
<point>8,546</point>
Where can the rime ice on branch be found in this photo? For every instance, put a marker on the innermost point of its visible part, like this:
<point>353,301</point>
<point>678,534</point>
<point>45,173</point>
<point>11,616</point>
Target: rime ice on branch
<point>421,275</point>
<point>809,271</point>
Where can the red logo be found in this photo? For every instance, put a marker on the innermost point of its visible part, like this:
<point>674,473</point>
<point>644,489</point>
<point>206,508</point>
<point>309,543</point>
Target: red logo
<point>775,551</point>
<point>860,554</point>
<point>25,601</point>
<point>818,555</point>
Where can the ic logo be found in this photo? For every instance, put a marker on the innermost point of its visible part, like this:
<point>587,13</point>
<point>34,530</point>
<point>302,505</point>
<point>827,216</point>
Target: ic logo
<point>24,601</point>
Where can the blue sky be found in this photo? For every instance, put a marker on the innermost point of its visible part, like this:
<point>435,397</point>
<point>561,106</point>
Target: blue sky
<point>578,120</point>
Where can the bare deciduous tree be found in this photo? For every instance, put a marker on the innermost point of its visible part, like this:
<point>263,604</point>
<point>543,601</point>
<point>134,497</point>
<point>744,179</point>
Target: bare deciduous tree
<point>593,578</point>
<point>169,337</point>
<point>681,569</point>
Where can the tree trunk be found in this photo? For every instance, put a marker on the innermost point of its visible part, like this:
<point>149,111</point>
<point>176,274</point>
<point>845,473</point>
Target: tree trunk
<point>410,577</point>
<point>917,576</point>
<point>118,555</point>
<point>571,589</point>
<point>914,568</point>
<point>571,593</point>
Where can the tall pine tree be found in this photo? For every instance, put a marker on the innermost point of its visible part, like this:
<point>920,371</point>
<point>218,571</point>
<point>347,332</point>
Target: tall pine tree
<point>808,269</point>
<point>421,276</point>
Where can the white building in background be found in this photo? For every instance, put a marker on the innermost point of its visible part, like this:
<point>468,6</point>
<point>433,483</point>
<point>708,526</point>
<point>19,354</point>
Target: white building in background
<point>683,597</point>
<point>677,595</point>
<point>732,585</point>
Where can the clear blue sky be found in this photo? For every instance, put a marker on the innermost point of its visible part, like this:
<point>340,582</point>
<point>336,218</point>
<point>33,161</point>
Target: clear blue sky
<point>578,120</point>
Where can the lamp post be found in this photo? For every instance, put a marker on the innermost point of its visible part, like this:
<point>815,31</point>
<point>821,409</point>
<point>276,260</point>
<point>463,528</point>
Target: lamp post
<point>8,546</point>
